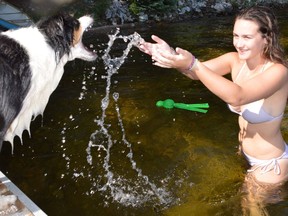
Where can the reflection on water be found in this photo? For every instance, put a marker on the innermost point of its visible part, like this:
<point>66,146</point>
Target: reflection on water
<point>188,155</point>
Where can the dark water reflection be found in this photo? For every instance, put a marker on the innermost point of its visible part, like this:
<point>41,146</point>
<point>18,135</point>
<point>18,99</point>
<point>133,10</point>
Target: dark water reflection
<point>191,155</point>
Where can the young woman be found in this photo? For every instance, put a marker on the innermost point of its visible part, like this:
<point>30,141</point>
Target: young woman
<point>258,91</point>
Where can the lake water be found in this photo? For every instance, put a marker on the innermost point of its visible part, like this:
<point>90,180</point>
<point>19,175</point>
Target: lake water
<point>130,157</point>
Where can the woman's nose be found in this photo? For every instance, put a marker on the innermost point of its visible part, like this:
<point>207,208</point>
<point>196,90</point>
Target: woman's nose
<point>239,42</point>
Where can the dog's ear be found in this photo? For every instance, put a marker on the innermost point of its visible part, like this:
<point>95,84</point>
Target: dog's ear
<point>77,35</point>
<point>59,32</point>
<point>71,26</point>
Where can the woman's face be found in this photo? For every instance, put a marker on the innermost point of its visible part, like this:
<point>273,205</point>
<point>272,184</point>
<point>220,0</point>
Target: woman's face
<point>247,40</point>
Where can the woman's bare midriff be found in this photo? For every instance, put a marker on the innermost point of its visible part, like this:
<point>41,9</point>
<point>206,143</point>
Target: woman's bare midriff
<point>263,140</point>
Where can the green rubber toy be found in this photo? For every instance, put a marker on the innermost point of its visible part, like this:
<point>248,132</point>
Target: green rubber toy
<point>169,104</point>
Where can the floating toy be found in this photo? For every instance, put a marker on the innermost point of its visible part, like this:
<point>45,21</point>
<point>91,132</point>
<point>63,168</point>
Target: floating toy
<point>169,104</point>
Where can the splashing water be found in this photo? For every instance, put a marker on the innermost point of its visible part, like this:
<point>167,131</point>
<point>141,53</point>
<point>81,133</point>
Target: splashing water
<point>128,192</point>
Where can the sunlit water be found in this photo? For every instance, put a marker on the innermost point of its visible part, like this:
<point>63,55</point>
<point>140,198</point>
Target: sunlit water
<point>104,148</point>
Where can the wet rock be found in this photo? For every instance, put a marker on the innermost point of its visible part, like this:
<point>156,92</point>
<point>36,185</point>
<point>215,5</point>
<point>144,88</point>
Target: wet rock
<point>223,8</point>
<point>143,17</point>
<point>118,13</point>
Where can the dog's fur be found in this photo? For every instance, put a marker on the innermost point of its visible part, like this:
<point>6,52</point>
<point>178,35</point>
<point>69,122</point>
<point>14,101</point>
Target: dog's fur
<point>32,63</point>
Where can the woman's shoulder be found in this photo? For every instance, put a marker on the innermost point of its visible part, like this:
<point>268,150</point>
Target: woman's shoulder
<point>235,62</point>
<point>280,68</point>
<point>274,74</point>
<point>232,58</point>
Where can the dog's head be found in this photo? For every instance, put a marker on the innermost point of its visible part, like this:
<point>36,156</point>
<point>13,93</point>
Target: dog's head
<point>79,50</point>
<point>64,34</point>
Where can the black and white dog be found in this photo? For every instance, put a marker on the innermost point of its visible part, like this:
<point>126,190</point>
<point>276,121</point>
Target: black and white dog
<point>32,63</point>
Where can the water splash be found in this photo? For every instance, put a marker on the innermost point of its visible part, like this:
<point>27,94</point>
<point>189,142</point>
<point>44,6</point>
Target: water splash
<point>128,192</point>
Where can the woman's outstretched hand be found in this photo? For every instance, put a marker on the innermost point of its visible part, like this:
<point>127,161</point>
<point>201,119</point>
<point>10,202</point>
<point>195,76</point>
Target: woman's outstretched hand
<point>151,48</point>
<point>165,56</point>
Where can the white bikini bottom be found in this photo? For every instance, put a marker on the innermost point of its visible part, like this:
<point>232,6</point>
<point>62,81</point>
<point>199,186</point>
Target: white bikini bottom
<point>266,165</point>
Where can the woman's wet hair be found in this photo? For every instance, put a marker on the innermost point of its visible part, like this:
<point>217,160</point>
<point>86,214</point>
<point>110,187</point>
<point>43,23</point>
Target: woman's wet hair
<point>268,27</point>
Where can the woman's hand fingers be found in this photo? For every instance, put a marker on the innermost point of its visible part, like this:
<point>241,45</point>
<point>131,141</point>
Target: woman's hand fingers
<point>161,65</point>
<point>180,60</point>
<point>158,40</point>
<point>152,48</point>
<point>162,61</point>
<point>146,47</point>
<point>164,56</point>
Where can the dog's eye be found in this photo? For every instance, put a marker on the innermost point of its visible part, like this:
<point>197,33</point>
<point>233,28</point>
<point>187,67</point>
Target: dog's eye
<point>76,24</point>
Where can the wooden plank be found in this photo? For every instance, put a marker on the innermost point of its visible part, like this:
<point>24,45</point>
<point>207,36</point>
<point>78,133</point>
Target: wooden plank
<point>11,15</point>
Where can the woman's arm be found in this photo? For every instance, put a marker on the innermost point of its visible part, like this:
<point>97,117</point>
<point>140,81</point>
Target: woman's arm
<point>180,59</point>
<point>211,72</point>
<point>221,65</point>
<point>261,86</point>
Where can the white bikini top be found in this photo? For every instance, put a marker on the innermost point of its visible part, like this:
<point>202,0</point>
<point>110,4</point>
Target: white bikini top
<point>254,112</point>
